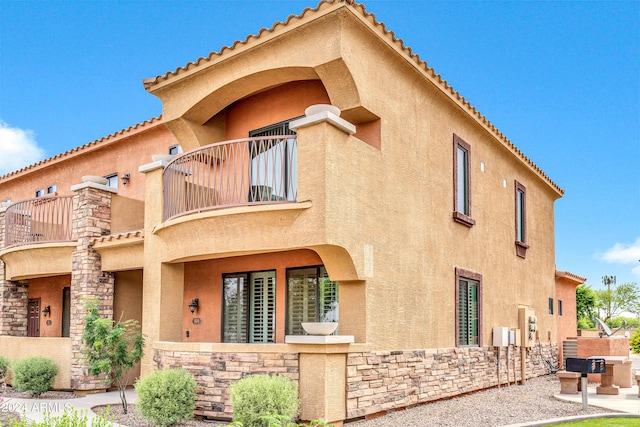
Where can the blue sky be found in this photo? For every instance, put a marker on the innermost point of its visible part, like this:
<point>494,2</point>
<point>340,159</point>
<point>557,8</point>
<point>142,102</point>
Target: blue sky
<point>560,79</point>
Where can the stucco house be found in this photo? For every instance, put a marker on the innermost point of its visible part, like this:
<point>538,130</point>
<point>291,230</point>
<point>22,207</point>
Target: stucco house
<point>391,206</point>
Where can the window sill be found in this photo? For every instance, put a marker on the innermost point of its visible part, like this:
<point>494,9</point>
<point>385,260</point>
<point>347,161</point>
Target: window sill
<point>521,249</point>
<point>463,219</point>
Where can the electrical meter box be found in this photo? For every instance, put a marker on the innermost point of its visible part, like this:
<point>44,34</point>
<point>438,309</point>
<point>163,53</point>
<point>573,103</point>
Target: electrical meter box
<point>528,323</point>
<point>500,336</point>
<point>514,337</point>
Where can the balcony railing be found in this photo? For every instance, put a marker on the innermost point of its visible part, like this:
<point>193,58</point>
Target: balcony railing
<point>44,219</point>
<point>242,172</point>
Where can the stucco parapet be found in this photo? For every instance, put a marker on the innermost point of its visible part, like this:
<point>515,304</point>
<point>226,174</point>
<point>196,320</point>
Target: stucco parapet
<point>159,161</point>
<point>233,211</point>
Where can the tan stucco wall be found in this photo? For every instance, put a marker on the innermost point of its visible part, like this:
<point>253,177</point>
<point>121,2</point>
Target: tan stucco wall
<point>127,304</point>
<point>58,349</point>
<point>127,214</point>
<point>39,260</point>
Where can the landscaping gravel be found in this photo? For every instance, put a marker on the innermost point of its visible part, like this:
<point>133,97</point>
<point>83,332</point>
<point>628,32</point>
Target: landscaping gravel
<point>515,404</point>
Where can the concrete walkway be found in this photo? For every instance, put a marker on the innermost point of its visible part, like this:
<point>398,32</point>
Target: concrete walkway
<point>34,409</point>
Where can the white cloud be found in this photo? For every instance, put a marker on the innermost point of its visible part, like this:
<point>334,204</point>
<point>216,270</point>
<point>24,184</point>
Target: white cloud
<point>18,148</point>
<point>623,253</point>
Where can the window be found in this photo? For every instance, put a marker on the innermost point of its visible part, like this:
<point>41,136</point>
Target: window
<point>66,311</point>
<point>175,149</point>
<point>521,220</point>
<point>249,307</point>
<point>40,192</point>
<point>112,180</point>
<point>462,182</point>
<point>52,189</point>
<point>274,164</point>
<point>311,297</point>
<point>550,305</point>
<point>469,308</point>
<point>559,307</point>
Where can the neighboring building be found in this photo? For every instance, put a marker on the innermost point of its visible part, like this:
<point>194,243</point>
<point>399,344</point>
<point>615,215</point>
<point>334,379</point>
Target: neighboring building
<point>564,308</point>
<point>409,218</point>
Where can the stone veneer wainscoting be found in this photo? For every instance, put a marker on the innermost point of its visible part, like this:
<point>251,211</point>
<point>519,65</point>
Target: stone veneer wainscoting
<point>376,381</point>
<point>215,372</point>
<point>386,380</point>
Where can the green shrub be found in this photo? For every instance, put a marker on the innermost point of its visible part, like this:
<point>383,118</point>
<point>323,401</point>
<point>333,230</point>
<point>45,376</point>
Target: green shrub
<point>70,418</point>
<point>4,366</point>
<point>634,342</point>
<point>166,397</point>
<point>257,396</point>
<point>34,374</point>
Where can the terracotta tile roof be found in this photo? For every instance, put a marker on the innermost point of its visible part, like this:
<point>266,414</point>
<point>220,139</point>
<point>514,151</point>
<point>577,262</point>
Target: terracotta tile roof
<point>90,145</point>
<point>393,40</point>
<point>119,236</point>
<point>570,276</point>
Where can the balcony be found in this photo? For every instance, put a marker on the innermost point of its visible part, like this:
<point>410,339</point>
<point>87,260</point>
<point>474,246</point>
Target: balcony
<point>43,219</point>
<point>241,172</point>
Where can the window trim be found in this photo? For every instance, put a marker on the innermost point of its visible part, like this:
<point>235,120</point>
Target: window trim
<point>461,217</point>
<point>476,277</point>
<point>520,220</point>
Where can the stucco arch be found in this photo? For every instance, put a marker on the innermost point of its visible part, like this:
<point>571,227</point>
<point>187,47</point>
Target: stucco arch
<point>197,126</point>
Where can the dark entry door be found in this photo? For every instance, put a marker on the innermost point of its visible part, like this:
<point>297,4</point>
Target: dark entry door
<point>33,325</point>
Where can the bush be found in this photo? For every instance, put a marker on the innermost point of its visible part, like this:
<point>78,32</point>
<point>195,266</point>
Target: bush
<point>166,397</point>
<point>634,342</point>
<point>4,366</point>
<point>34,374</point>
<point>257,396</point>
<point>70,418</point>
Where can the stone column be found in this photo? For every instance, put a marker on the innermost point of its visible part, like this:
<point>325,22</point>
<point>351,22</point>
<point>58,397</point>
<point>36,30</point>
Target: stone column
<point>91,219</point>
<point>14,296</point>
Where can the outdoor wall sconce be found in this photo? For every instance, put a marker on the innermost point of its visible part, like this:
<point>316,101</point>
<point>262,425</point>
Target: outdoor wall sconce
<point>125,178</point>
<point>195,303</point>
<point>47,310</point>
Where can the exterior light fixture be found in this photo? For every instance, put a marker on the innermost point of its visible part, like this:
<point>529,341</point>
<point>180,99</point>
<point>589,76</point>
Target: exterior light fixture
<point>125,178</point>
<point>195,303</point>
<point>47,311</point>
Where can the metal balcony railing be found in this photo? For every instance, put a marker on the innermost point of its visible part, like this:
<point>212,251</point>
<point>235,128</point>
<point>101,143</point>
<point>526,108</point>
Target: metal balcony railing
<point>261,170</point>
<point>43,219</point>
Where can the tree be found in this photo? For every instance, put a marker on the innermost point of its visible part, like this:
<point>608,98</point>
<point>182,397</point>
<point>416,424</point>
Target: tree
<point>621,298</point>
<point>112,348</point>
<point>586,304</point>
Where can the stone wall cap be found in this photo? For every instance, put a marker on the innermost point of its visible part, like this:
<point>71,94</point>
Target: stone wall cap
<point>323,116</point>
<point>91,184</point>
<point>96,179</point>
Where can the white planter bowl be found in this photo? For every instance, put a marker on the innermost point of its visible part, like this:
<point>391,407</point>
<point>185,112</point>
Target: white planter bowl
<point>319,328</point>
